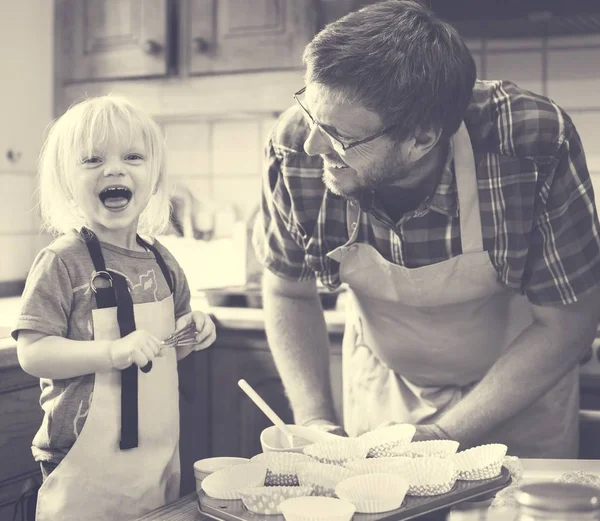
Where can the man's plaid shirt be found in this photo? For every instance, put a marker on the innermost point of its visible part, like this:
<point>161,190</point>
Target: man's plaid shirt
<point>539,222</point>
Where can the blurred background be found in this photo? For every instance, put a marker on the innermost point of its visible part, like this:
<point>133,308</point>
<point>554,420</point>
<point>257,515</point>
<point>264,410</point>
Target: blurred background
<point>216,74</point>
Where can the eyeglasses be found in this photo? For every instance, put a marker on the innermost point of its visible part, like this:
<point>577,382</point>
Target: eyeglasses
<point>335,141</point>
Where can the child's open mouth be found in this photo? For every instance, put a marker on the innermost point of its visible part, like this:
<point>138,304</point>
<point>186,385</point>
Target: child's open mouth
<point>116,197</point>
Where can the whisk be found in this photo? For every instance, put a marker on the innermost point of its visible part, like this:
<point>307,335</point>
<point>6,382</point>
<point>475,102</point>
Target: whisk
<point>185,337</point>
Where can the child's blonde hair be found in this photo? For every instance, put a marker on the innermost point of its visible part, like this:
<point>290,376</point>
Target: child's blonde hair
<point>81,130</point>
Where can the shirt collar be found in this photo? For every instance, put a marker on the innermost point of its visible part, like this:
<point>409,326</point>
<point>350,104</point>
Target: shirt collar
<point>444,199</point>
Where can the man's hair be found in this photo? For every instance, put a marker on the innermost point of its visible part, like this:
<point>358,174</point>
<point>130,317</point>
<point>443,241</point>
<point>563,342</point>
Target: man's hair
<point>399,60</point>
<point>86,126</point>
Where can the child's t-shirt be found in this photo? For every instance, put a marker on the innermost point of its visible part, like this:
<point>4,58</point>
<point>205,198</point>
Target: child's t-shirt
<point>58,301</point>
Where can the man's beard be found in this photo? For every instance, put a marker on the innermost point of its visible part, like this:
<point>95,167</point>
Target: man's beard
<point>371,181</point>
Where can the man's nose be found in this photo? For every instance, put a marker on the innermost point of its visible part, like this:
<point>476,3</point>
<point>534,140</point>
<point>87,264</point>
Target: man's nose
<point>317,143</point>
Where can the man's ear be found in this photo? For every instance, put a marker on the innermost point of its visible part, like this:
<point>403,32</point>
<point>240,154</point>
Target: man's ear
<point>424,140</point>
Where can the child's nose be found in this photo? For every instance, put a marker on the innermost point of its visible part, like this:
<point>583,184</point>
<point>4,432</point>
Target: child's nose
<point>113,167</point>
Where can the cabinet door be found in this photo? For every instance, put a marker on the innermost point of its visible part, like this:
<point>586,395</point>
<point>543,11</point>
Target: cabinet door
<point>237,35</point>
<point>113,38</point>
<point>236,422</point>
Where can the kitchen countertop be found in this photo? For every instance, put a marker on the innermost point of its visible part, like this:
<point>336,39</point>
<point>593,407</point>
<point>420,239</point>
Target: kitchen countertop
<point>185,509</point>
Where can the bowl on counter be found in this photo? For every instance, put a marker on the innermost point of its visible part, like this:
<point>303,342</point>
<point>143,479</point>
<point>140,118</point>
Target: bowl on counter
<point>251,297</point>
<point>272,440</point>
<point>207,466</point>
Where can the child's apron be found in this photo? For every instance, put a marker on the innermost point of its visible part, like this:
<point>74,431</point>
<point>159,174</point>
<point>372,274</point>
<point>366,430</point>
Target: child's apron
<point>417,340</point>
<point>123,464</point>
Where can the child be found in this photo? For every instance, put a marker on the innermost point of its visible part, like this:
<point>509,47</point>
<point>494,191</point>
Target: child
<point>97,304</point>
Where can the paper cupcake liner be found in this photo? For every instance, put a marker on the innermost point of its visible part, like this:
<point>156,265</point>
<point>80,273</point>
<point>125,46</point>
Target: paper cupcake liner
<point>385,441</point>
<point>323,477</point>
<point>336,452</point>
<point>429,448</point>
<point>429,476</point>
<point>373,493</point>
<point>281,467</point>
<point>312,508</point>
<point>226,483</point>
<point>266,500</point>
<point>386,465</point>
<point>481,462</point>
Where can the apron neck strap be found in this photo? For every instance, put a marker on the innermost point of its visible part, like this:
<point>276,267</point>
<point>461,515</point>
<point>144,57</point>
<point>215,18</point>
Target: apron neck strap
<point>118,295</point>
<point>468,194</point>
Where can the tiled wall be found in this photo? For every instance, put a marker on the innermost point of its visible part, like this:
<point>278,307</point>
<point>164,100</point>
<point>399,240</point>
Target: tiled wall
<point>219,160</point>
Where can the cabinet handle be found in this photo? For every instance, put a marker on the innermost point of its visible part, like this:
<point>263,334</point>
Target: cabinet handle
<point>152,47</point>
<point>13,156</point>
<point>201,45</point>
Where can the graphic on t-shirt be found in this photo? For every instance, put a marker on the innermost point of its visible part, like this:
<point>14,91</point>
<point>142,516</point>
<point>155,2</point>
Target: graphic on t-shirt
<point>81,415</point>
<point>147,283</point>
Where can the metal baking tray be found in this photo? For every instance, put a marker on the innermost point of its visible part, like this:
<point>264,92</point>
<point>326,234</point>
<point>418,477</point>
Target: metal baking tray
<point>412,508</point>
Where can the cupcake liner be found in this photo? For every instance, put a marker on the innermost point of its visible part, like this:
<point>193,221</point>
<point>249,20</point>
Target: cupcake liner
<point>429,448</point>
<point>266,500</point>
<point>481,462</point>
<point>373,493</point>
<point>385,465</point>
<point>323,477</point>
<point>428,476</point>
<point>226,483</point>
<point>336,452</point>
<point>281,467</point>
<point>313,508</point>
<point>385,441</point>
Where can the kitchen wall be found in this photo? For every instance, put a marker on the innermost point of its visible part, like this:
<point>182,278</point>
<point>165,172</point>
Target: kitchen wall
<point>26,106</point>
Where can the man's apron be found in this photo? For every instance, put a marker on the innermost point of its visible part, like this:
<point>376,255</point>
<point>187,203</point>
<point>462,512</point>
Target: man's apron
<point>417,340</point>
<point>122,465</point>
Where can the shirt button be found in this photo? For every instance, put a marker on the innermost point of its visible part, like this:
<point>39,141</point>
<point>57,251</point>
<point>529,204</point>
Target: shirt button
<point>353,226</point>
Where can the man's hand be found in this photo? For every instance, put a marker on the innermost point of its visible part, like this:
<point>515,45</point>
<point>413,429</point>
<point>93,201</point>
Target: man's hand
<point>327,426</point>
<point>424,432</point>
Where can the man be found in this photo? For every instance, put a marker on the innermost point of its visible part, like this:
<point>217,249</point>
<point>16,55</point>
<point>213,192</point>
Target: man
<point>460,214</point>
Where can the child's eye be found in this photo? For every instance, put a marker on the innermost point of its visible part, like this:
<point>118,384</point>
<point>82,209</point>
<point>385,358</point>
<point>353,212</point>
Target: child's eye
<point>92,160</point>
<point>134,157</point>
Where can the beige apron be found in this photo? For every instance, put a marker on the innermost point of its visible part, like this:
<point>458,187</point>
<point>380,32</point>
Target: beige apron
<point>96,481</point>
<point>417,340</point>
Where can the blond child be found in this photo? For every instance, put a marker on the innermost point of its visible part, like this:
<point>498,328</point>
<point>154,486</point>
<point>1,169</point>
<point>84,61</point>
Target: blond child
<point>98,303</point>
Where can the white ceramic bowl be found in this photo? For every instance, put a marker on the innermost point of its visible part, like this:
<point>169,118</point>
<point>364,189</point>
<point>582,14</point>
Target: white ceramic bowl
<point>207,466</point>
<point>272,440</point>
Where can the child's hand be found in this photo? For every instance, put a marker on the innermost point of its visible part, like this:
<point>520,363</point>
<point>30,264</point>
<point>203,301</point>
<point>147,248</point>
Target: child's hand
<point>205,328</point>
<point>139,348</point>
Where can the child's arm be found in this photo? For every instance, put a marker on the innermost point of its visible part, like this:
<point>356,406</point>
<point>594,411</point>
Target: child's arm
<point>55,357</point>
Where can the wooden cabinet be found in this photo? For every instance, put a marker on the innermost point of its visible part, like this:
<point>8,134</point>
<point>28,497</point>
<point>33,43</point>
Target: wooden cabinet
<point>194,400</point>
<point>235,421</point>
<point>237,35</point>
<point>125,39</point>
<point>102,39</point>
<point>21,418</point>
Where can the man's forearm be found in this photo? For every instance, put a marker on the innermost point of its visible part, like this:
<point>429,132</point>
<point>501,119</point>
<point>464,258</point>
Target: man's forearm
<point>534,362</point>
<point>299,342</point>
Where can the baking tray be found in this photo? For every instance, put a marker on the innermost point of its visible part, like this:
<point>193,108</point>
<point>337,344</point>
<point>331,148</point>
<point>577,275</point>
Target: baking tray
<point>412,508</point>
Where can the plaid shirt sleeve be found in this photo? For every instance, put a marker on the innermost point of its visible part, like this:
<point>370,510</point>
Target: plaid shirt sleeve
<point>277,238</point>
<point>563,262</point>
